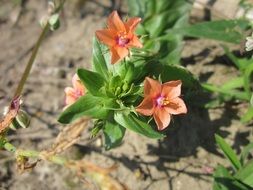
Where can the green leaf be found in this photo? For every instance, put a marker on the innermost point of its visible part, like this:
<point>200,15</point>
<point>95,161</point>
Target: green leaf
<point>158,23</point>
<point>245,174</point>
<point>221,178</point>
<point>88,105</point>
<point>232,57</point>
<point>251,100</point>
<point>248,79</point>
<point>98,59</point>
<point>92,81</point>
<point>174,72</point>
<point>136,7</point>
<point>224,181</point>
<point>221,30</point>
<point>236,82</point>
<point>131,122</point>
<point>245,152</point>
<point>114,134</point>
<point>229,153</point>
<point>248,116</point>
<point>226,92</point>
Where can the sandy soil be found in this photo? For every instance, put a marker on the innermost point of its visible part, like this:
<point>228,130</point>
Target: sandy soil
<point>178,162</point>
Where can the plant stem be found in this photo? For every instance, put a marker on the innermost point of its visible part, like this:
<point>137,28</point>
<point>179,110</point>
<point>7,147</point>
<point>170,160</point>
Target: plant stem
<point>34,154</point>
<point>30,62</point>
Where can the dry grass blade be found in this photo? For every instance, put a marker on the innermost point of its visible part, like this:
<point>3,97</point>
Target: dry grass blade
<point>67,137</point>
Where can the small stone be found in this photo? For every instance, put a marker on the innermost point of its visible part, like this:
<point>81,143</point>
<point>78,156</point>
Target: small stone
<point>62,74</point>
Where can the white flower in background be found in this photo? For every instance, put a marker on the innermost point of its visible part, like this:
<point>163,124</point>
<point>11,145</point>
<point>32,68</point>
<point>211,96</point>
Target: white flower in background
<point>249,43</point>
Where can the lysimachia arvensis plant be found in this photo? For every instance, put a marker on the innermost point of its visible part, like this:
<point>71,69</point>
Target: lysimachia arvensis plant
<point>119,93</point>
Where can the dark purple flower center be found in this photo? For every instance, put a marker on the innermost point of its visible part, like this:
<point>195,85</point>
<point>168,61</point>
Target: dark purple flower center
<point>122,39</point>
<point>161,101</point>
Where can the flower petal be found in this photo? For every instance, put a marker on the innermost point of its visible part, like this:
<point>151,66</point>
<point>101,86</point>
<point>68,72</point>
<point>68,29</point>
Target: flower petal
<point>107,36</point>
<point>114,22</point>
<point>162,118</point>
<point>122,52</point>
<point>131,24</point>
<point>176,106</point>
<point>146,107</point>
<point>172,89</point>
<point>70,96</point>
<point>79,88</point>
<point>114,56</point>
<point>118,53</point>
<point>135,42</point>
<point>151,87</point>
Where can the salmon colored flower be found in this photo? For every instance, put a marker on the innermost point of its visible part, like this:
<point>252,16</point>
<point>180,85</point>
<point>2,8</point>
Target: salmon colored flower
<point>72,94</point>
<point>119,36</point>
<point>161,101</point>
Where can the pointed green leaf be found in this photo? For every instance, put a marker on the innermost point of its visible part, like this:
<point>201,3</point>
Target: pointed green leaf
<point>245,174</point>
<point>251,100</point>
<point>236,82</point>
<point>248,116</point>
<point>88,105</point>
<point>92,81</point>
<point>131,122</point>
<point>222,30</point>
<point>114,134</point>
<point>221,178</point>
<point>226,92</point>
<point>229,153</point>
<point>224,181</point>
<point>248,80</point>
<point>174,72</point>
<point>98,59</point>
<point>245,152</point>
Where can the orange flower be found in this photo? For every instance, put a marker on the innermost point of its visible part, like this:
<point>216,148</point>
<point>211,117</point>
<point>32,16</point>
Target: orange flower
<point>72,94</point>
<point>161,101</point>
<point>119,36</point>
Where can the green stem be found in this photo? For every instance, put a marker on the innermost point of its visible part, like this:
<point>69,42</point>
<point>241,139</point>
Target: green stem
<point>30,62</point>
<point>9,147</point>
<point>33,154</point>
<point>34,53</point>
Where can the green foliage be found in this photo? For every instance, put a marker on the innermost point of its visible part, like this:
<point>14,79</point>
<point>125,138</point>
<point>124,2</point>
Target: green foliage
<point>98,60</point>
<point>245,174</point>
<point>223,180</point>
<point>242,176</point>
<point>113,91</point>
<point>88,105</point>
<point>131,122</point>
<point>174,72</point>
<point>245,153</point>
<point>92,81</point>
<point>113,134</point>
<point>158,17</point>
<point>222,30</point>
<point>238,88</point>
<point>229,153</point>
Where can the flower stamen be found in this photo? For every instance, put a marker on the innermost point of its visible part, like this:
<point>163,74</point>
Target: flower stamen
<point>162,101</point>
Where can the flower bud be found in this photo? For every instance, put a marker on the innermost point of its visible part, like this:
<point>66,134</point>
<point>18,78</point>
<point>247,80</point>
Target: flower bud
<point>21,120</point>
<point>118,91</point>
<point>125,87</point>
<point>54,22</point>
